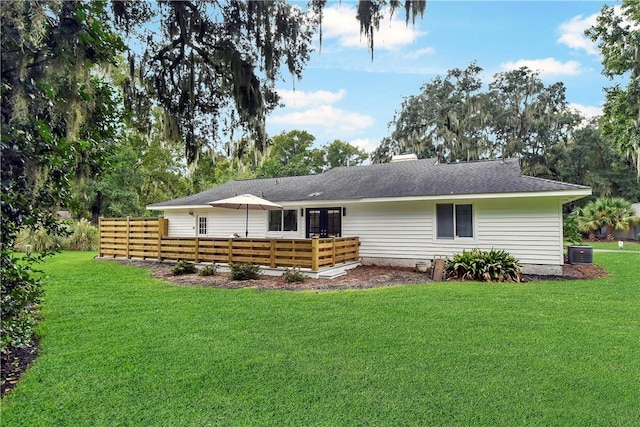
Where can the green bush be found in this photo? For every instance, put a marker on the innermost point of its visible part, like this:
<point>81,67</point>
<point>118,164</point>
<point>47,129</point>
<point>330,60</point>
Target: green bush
<point>20,296</point>
<point>245,271</point>
<point>487,266</point>
<point>84,237</point>
<point>78,236</point>
<point>37,241</point>
<point>184,267</point>
<point>293,275</point>
<point>208,270</point>
<point>570,229</point>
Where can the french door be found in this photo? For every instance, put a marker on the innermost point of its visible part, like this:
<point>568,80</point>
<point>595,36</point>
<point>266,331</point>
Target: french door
<point>324,222</point>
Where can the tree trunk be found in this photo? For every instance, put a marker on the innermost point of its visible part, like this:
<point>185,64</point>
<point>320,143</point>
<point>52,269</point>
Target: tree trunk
<point>96,208</point>
<point>610,236</point>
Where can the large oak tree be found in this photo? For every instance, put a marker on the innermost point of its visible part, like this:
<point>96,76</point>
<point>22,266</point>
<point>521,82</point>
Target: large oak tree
<point>618,38</point>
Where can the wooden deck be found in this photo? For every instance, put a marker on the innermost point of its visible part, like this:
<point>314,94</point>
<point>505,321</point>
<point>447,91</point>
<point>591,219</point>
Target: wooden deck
<point>146,238</point>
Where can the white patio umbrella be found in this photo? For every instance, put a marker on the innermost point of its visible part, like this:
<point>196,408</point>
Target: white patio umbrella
<point>246,201</point>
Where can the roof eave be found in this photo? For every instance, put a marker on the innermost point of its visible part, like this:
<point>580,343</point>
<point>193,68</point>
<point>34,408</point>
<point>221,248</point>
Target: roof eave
<point>566,196</point>
<point>175,207</point>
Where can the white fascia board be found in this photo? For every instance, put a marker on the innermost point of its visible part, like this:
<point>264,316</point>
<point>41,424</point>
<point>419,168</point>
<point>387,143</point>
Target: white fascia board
<point>175,208</point>
<point>567,196</point>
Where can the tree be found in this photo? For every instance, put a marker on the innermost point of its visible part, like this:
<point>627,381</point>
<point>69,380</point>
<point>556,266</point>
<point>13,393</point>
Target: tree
<point>454,119</point>
<point>213,65</point>
<point>340,153</point>
<point>58,119</point>
<point>446,119</point>
<point>589,158</point>
<point>528,118</point>
<point>291,154</point>
<point>613,213</point>
<point>618,37</point>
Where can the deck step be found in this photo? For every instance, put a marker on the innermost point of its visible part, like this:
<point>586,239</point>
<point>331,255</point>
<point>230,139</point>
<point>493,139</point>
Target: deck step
<point>332,274</point>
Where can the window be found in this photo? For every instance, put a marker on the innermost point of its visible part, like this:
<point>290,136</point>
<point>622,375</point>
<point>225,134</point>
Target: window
<point>202,226</point>
<point>450,218</point>
<point>283,220</point>
<point>290,220</point>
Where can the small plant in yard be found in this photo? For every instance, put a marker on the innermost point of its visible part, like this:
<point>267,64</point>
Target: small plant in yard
<point>208,270</point>
<point>245,271</point>
<point>184,267</point>
<point>488,266</point>
<point>293,275</point>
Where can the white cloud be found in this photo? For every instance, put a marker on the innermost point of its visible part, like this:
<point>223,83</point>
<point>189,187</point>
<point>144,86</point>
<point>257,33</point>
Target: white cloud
<point>330,118</point>
<point>587,111</point>
<point>572,33</point>
<point>339,22</point>
<point>421,52</point>
<point>365,144</point>
<point>546,66</point>
<point>301,99</point>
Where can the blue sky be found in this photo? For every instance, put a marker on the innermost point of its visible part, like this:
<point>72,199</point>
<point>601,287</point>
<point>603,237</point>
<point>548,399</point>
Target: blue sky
<point>344,95</point>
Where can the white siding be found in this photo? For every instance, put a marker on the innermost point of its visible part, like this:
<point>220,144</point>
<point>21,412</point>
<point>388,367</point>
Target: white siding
<point>391,230</point>
<point>220,223</point>
<point>225,222</point>
<point>181,224</point>
<point>529,229</point>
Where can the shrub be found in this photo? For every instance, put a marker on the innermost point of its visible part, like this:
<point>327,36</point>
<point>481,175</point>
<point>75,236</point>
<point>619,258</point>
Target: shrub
<point>208,270</point>
<point>184,267</point>
<point>80,236</point>
<point>293,275</point>
<point>84,237</point>
<point>570,229</point>
<point>488,266</point>
<point>245,271</point>
<point>21,293</point>
<point>37,241</point>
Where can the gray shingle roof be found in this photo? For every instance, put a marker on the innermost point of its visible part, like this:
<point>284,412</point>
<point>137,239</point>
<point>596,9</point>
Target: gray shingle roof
<point>403,179</point>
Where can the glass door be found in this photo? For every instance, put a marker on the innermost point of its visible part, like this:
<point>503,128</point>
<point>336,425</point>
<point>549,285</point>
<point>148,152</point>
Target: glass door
<point>324,222</point>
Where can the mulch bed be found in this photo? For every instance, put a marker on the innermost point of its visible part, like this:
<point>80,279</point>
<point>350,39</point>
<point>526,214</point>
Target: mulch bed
<point>362,277</point>
<point>14,364</point>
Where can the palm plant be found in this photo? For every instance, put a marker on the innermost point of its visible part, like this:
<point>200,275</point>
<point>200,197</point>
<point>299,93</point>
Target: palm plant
<point>614,213</point>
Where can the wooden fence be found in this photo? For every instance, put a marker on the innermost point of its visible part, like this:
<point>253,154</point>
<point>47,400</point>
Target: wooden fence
<point>146,238</point>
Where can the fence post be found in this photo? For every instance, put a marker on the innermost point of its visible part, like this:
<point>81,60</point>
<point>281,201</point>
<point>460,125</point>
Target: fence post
<point>100,237</point>
<point>333,252</point>
<point>128,237</point>
<point>161,233</point>
<point>314,254</point>
<point>272,253</point>
<point>196,255</point>
<point>230,254</point>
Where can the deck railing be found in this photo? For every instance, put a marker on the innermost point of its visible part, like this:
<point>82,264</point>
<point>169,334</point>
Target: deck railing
<point>146,238</point>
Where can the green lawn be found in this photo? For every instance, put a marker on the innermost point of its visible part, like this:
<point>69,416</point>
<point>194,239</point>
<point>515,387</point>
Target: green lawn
<point>120,348</point>
<point>628,246</point>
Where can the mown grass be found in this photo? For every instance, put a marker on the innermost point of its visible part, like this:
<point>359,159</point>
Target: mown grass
<point>120,348</point>
<point>627,245</point>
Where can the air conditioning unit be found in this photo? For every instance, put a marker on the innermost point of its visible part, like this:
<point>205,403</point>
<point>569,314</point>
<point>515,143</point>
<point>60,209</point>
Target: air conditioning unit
<point>580,254</point>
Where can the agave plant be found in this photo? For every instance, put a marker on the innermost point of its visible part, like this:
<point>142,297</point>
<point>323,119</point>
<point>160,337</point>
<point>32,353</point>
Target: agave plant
<point>614,213</point>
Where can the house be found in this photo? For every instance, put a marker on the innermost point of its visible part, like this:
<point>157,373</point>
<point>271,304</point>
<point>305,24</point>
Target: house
<point>633,232</point>
<point>403,212</point>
